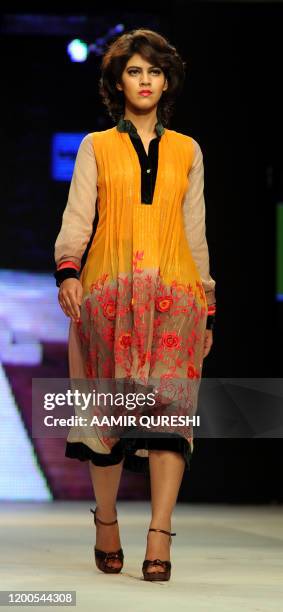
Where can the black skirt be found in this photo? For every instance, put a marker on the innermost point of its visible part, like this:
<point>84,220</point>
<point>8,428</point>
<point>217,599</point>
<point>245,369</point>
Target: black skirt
<point>126,448</point>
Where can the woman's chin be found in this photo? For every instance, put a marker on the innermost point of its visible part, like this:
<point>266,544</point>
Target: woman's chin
<point>143,104</point>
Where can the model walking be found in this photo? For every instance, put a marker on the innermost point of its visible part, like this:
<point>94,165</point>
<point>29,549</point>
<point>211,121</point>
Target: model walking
<point>143,306</point>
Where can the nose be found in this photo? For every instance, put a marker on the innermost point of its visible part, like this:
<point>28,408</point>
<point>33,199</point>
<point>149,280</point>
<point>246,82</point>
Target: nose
<point>145,80</point>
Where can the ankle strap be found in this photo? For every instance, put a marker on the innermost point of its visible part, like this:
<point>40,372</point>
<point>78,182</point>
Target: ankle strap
<point>163,531</point>
<point>99,520</point>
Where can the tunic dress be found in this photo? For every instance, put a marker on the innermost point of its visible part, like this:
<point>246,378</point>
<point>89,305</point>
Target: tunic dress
<point>147,291</point>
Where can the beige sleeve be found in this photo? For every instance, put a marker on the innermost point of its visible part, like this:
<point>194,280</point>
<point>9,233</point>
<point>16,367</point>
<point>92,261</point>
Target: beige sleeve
<point>194,223</point>
<point>79,213</point>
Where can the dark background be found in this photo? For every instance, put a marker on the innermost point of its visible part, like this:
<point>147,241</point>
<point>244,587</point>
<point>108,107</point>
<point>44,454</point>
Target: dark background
<point>232,106</point>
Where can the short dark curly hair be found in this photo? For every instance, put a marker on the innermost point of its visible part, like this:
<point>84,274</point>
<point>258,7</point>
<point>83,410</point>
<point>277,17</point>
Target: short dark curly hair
<point>154,48</point>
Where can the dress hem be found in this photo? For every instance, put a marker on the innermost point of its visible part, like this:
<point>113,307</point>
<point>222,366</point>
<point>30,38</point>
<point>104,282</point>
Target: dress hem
<point>126,448</point>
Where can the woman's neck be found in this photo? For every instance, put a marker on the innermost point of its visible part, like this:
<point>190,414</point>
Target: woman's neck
<point>145,124</point>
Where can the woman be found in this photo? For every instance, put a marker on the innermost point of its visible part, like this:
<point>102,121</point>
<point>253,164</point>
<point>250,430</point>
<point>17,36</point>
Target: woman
<point>143,306</point>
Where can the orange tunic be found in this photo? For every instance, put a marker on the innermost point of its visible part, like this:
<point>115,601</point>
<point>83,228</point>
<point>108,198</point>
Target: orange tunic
<point>144,308</point>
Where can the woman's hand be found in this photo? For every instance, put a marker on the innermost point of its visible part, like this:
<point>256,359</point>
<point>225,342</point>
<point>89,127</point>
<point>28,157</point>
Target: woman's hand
<point>208,341</point>
<point>70,297</point>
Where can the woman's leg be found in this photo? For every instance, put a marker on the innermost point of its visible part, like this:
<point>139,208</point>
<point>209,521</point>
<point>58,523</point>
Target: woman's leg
<point>105,482</point>
<point>166,472</point>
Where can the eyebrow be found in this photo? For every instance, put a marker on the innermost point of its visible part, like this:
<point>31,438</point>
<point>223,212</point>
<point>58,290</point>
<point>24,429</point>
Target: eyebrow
<point>151,66</point>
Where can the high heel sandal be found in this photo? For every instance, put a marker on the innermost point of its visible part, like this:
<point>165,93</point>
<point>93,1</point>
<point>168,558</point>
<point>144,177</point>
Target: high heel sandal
<point>166,573</point>
<point>102,557</point>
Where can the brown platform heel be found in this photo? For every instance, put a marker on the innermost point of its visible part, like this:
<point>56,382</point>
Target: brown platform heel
<point>166,572</point>
<point>101,557</point>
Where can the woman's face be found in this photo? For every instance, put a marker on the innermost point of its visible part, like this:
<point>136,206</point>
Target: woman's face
<point>138,76</point>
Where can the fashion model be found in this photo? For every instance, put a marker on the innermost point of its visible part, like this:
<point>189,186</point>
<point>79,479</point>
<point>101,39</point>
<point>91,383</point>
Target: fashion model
<point>142,307</point>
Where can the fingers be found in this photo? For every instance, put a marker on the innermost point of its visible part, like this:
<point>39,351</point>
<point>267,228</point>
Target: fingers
<point>66,306</point>
<point>72,306</point>
<point>79,293</point>
<point>70,298</point>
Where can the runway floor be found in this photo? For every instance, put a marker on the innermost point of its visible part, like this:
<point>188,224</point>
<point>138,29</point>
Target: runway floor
<point>224,558</point>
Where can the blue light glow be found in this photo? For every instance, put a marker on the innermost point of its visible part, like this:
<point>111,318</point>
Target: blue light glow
<point>64,150</point>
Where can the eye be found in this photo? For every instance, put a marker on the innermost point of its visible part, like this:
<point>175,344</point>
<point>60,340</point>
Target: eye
<point>133,71</point>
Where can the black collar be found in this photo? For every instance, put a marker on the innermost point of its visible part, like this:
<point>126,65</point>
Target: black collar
<point>126,125</point>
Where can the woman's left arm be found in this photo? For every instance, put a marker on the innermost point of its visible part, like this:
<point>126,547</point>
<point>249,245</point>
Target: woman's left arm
<point>195,229</point>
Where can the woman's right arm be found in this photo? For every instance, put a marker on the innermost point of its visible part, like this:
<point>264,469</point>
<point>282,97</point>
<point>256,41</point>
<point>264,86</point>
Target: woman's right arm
<point>76,228</point>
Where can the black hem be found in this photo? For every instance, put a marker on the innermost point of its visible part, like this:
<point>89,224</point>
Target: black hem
<point>126,448</point>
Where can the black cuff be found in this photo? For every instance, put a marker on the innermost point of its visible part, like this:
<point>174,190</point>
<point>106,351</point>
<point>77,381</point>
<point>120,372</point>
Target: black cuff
<point>210,321</point>
<point>64,273</point>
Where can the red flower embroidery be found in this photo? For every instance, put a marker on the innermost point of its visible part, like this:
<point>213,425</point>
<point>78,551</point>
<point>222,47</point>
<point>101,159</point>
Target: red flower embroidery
<point>163,303</point>
<point>179,286</point>
<point>90,370</point>
<point>171,340</point>
<point>109,310</point>
<point>179,363</point>
<point>201,290</point>
<point>121,312</point>
<point>125,340</point>
<point>173,345</point>
<point>192,371</point>
<point>138,256</point>
<point>99,283</point>
<point>109,334</point>
<point>107,368</point>
<point>88,306</point>
<point>166,376</point>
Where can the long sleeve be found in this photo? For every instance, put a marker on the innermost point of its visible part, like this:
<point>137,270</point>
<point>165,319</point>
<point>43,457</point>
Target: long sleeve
<point>195,228</point>
<point>79,213</point>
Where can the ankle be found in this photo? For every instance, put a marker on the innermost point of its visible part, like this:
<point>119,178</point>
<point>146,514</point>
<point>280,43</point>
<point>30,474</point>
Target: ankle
<point>106,513</point>
<point>160,523</point>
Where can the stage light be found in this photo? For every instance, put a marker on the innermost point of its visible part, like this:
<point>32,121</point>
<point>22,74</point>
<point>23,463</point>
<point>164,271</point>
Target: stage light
<point>77,50</point>
<point>118,28</point>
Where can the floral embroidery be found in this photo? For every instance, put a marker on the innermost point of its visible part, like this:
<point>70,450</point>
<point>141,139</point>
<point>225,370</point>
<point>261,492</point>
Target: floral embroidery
<point>171,340</point>
<point>167,375</point>
<point>88,306</point>
<point>137,326</point>
<point>107,368</point>
<point>163,303</point>
<point>192,371</point>
<point>137,257</point>
<point>109,310</point>
<point>125,340</point>
<point>109,334</point>
<point>84,337</point>
<point>201,291</point>
<point>98,285</point>
<point>90,370</point>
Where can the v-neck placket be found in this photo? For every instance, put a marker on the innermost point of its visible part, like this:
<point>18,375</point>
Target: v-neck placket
<point>148,163</point>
